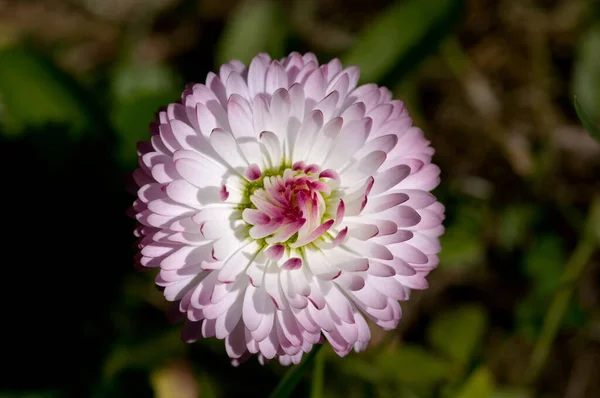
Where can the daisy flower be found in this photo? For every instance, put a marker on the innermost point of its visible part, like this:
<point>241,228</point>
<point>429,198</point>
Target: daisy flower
<point>285,206</point>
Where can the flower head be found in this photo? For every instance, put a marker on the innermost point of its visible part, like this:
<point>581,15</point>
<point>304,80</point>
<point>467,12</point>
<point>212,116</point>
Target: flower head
<point>283,205</point>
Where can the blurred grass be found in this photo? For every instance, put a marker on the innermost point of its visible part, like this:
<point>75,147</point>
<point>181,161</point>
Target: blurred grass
<point>255,26</point>
<point>586,77</point>
<point>511,263</point>
<point>588,123</point>
<point>401,37</point>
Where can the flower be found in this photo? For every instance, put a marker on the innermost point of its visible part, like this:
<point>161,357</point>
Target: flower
<point>284,205</point>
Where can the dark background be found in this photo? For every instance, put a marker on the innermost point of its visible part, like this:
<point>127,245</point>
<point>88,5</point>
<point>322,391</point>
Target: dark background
<point>490,82</point>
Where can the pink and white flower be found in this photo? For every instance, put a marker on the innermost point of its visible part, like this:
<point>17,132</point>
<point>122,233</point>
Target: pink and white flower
<point>283,204</point>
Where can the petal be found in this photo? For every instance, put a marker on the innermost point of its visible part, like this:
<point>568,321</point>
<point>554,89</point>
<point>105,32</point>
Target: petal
<point>276,78</point>
<point>225,144</point>
<point>257,72</point>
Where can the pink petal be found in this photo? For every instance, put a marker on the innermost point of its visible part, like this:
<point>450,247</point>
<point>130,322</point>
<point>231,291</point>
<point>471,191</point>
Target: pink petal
<point>292,264</point>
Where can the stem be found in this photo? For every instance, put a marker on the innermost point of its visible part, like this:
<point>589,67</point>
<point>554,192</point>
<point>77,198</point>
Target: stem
<point>573,271</point>
<point>318,376</point>
<point>287,385</point>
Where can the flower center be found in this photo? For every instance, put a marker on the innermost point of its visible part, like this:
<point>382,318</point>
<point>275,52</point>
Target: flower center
<point>293,207</point>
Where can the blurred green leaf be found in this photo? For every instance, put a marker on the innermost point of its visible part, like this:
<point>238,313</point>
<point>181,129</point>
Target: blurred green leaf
<point>462,243</point>
<point>530,316</point>
<point>146,355</point>
<point>458,332</point>
<point>479,385</point>
<point>293,376</point>
<point>35,92</point>
<point>544,263</point>
<point>138,92</point>
<point>586,78</point>
<point>255,26</point>
<point>588,124</point>
<point>413,366</point>
<point>515,223</point>
<point>208,386</point>
<point>511,393</point>
<point>402,36</point>
<point>359,367</point>
<point>593,221</point>
<point>132,81</point>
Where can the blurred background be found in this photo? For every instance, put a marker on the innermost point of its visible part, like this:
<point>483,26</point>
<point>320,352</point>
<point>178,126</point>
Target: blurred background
<point>513,309</point>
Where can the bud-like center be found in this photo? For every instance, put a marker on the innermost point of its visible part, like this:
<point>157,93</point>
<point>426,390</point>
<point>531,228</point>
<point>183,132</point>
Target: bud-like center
<point>291,208</point>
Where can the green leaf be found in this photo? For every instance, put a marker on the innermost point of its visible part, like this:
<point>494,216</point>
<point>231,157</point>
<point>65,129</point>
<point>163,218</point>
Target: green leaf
<point>145,355</point>
<point>208,386</point>
<point>479,385</point>
<point>593,222</point>
<point>515,223</point>
<point>587,122</point>
<point>544,263</point>
<point>458,332</point>
<point>287,385</point>
<point>254,27</point>
<point>462,243</point>
<point>413,365</point>
<point>511,393</point>
<point>138,92</point>
<point>402,36</point>
<point>358,367</point>
<point>586,74</point>
<point>35,93</point>
<point>131,81</point>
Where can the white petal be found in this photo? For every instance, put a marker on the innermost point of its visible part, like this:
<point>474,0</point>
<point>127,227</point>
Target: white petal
<point>356,111</point>
<point>306,135</point>
<point>262,120</point>
<point>324,142</point>
<point>418,199</point>
<point>289,326</point>
<point>196,173</point>
<point>297,101</point>
<point>328,105</point>
<point>236,85</point>
<point>314,87</point>
<point>253,309</point>
<point>237,263</point>
<point>350,281</point>
<point>408,253</point>
<point>257,72</point>
<point>272,286</point>
<point>352,137</point>
<point>276,78</point>
<point>225,144</point>
<point>182,133</point>
<point>366,166</point>
<point>227,322</point>
<point>389,178</point>
<point>369,249</point>
<point>272,147</point>
<point>280,110</point>
<point>339,304</point>
<point>384,202</point>
<point>239,118</point>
